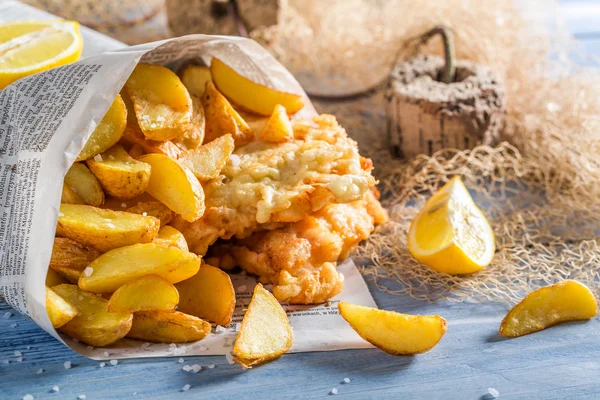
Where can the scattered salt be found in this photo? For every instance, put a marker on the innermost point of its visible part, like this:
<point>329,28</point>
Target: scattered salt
<point>67,364</point>
<point>493,392</point>
<point>28,347</point>
<point>124,205</point>
<point>88,271</point>
<point>102,364</point>
<point>7,315</point>
<point>80,298</point>
<point>134,393</point>
<point>98,158</point>
<point>235,160</point>
<point>181,360</point>
<point>61,214</point>
<point>229,357</point>
<point>40,371</point>
<point>220,329</point>
<point>202,348</point>
<point>13,325</point>
<point>346,380</point>
<point>145,214</point>
<point>19,359</point>
<point>28,397</point>
<point>18,353</point>
<point>180,351</point>
<point>114,362</point>
<point>333,391</point>
<point>82,397</point>
<point>185,388</point>
<point>211,366</point>
<point>172,346</point>
<point>111,157</point>
<point>144,345</point>
<point>105,354</point>
<point>55,389</point>
<point>111,225</point>
<point>187,368</point>
<point>196,368</point>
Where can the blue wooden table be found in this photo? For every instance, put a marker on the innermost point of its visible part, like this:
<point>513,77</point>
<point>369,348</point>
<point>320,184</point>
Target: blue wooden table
<point>559,363</point>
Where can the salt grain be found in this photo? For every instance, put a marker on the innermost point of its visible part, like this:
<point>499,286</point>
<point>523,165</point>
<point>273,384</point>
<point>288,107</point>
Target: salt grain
<point>55,389</point>
<point>82,397</point>
<point>61,214</point>
<point>187,368</point>
<point>493,392</point>
<point>145,214</point>
<point>114,362</point>
<point>202,348</point>
<point>28,397</point>
<point>40,371</point>
<point>7,315</point>
<point>172,346</point>
<point>242,288</point>
<point>111,225</point>
<point>180,351</point>
<point>80,298</point>
<point>229,357</point>
<point>102,364</point>
<point>346,380</point>
<point>28,347</point>
<point>18,353</point>
<point>19,359</point>
<point>105,354</point>
<point>13,325</point>
<point>220,329</point>
<point>67,364</point>
<point>144,345</point>
<point>333,391</point>
<point>88,271</point>
<point>185,388</point>
<point>111,157</point>
<point>5,361</point>
<point>235,160</point>
<point>211,366</point>
<point>196,368</point>
<point>181,360</point>
<point>123,205</point>
<point>98,158</point>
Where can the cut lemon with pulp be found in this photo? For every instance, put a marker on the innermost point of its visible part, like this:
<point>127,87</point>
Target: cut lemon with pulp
<point>29,47</point>
<point>450,234</point>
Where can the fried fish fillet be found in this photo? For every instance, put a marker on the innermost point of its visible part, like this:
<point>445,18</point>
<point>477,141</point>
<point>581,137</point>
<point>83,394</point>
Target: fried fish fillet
<point>300,259</point>
<point>265,185</point>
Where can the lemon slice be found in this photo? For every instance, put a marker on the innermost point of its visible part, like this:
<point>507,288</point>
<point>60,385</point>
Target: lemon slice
<point>450,234</point>
<point>28,47</point>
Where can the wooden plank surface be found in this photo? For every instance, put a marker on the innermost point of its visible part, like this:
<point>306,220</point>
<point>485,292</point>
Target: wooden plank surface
<point>559,363</point>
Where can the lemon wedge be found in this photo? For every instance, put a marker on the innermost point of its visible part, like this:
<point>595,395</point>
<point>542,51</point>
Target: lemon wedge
<point>29,47</point>
<point>450,234</point>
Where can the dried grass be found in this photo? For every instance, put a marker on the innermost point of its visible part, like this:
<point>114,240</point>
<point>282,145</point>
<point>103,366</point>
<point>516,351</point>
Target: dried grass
<point>541,193</point>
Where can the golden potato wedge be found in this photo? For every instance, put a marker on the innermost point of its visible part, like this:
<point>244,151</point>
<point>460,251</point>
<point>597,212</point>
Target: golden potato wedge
<point>70,274</point>
<point>60,311</point>
<point>134,136</point>
<point>251,95</point>
<point>194,77</point>
<point>53,278</point>
<point>278,128</point>
<point>168,327</point>
<point>105,229</point>
<point>207,161</point>
<point>93,325</point>
<point>68,253</point>
<point>70,197</point>
<point>255,122</point>
<point>169,236</point>
<point>119,266</point>
<point>80,180</point>
<point>209,295</point>
<point>162,104</point>
<point>175,186</point>
<point>108,132</point>
<point>221,118</point>
<point>392,332</point>
<point>120,175</point>
<point>265,333</point>
<point>150,292</point>
<point>194,136</point>
<point>154,209</point>
<point>564,301</point>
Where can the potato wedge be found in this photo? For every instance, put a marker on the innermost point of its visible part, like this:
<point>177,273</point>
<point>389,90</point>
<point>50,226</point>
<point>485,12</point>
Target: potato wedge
<point>80,180</point>
<point>134,136</point>
<point>251,95</point>
<point>119,174</point>
<point>119,266</point>
<point>93,325</point>
<point>105,229</point>
<point>169,236</point>
<point>150,292</point>
<point>68,253</point>
<point>564,301</point>
<point>60,311</point>
<point>168,327</point>
<point>70,274</point>
<point>255,122</point>
<point>53,278</point>
<point>194,77</point>
<point>175,186</point>
<point>278,128</point>
<point>265,333</point>
<point>221,118</point>
<point>154,209</point>
<point>135,151</point>
<point>194,136</point>
<point>108,132</point>
<point>207,161</point>
<point>392,332</point>
<point>162,104</point>
<point>69,196</point>
<point>209,295</point>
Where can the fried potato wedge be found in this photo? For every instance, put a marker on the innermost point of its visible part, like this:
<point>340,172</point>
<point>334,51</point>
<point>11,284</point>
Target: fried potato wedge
<point>175,186</point>
<point>169,236</point>
<point>105,229</point>
<point>80,180</point>
<point>119,266</point>
<point>564,301</point>
<point>70,274</point>
<point>119,174</point>
<point>93,325</point>
<point>69,196</point>
<point>209,295</point>
<point>255,122</point>
<point>134,136</point>
<point>194,136</point>
<point>60,311</point>
<point>154,209</point>
<point>68,253</point>
<point>265,333</point>
<point>392,332</point>
<point>108,132</point>
<point>162,104</point>
<point>194,77</point>
<point>150,292</point>
<point>168,327</point>
<point>251,95</point>
<point>278,128</point>
<point>53,278</point>
<point>221,118</point>
<point>207,161</point>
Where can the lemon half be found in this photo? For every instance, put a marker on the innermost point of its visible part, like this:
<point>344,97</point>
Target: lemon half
<point>450,234</point>
<point>29,47</point>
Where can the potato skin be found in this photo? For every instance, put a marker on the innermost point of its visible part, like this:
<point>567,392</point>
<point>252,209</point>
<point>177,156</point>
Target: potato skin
<point>168,327</point>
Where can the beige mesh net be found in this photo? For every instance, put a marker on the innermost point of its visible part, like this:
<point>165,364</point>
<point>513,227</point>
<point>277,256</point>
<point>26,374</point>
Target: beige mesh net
<point>541,193</point>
